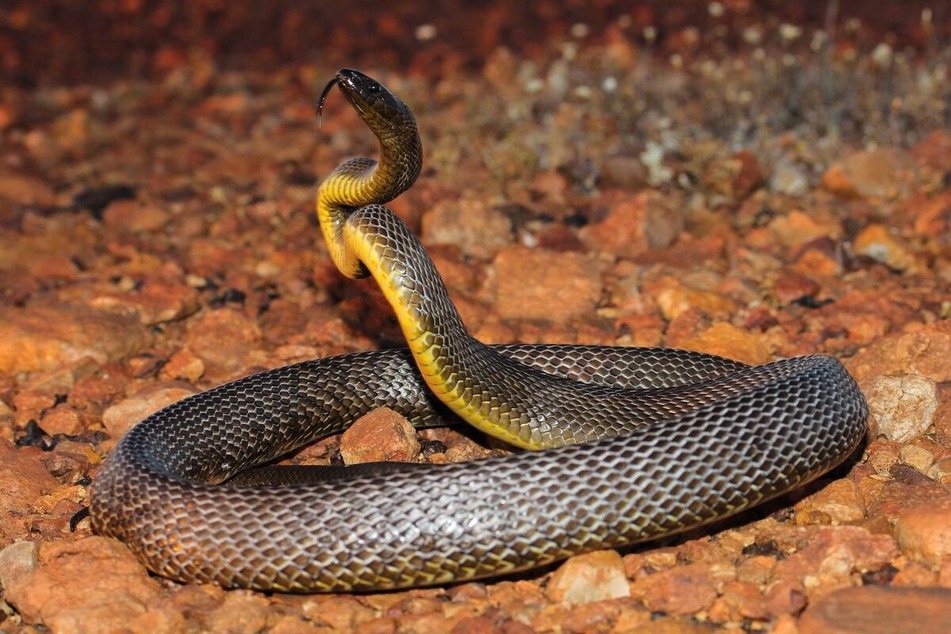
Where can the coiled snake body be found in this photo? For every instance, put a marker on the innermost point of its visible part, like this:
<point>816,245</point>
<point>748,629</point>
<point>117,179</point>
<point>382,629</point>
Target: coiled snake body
<point>633,443</point>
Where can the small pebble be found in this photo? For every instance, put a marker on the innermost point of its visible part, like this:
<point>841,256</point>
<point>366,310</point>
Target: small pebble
<point>542,285</point>
<point>919,458</point>
<point>882,245</point>
<point>903,406</point>
<point>119,418</point>
<point>380,436</point>
<point>636,223</point>
<point>840,501</point>
<point>879,610</point>
<point>924,532</point>
<point>16,561</point>
<point>680,590</point>
<point>878,173</point>
<point>595,576</point>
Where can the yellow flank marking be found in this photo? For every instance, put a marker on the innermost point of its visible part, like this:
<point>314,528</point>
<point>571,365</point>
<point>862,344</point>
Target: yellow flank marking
<point>421,342</point>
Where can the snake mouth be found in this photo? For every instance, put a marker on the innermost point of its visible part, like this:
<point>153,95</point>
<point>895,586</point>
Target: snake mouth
<point>359,89</point>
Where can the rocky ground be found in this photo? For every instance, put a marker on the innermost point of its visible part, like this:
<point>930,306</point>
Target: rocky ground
<point>744,180</point>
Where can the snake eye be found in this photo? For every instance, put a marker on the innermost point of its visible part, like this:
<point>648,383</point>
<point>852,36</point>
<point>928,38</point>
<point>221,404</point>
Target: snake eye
<point>374,87</point>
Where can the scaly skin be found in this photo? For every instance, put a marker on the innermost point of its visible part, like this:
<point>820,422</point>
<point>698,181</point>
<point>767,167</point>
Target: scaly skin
<point>649,442</point>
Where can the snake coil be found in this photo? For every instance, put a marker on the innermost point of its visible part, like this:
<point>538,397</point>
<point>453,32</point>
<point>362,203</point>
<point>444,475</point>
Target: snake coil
<point>633,443</point>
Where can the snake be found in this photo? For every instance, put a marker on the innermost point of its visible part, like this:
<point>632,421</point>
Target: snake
<point>610,445</point>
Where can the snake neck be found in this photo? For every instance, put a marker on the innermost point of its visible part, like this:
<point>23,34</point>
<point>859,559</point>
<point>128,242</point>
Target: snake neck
<point>363,181</point>
<point>431,324</point>
<point>406,275</point>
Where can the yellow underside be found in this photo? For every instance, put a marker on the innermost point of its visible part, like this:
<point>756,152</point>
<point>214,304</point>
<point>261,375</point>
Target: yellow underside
<point>360,247</point>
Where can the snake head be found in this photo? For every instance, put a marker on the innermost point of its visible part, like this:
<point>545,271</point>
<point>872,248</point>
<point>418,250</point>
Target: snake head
<point>385,113</point>
<point>393,124</point>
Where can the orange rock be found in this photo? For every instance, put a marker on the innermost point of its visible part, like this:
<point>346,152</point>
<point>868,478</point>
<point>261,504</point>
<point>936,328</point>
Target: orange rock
<point>521,600</point>
<point>882,455</point>
<point>639,329</point>
<point>940,471</point>
<point>674,297</point>
<point>813,262</point>
<point>739,601</point>
<point>471,223</point>
<point>903,406</point>
<point>30,404</point>
<point>17,561</point>
<point>734,177</point>
<point>877,242</point>
<point>183,365</point>
<point>155,302</point>
<point>42,337</point>
<point>944,573</point>
<point>915,574</point>
<point>546,286</point>
<point>223,337</point>
<point>55,268</point>
<point>459,447</point>
<point>790,288</point>
<point>382,435</point>
<point>121,417</point>
<point>924,532</point>
<point>634,619</point>
<point>689,251</point>
<point>726,340</point>
<point>686,325</point>
<point>933,150</point>
<point>93,391</point>
<point>42,237</point>
<point>9,113</point>
<point>25,190</point>
<point>61,419</point>
<point>840,501</point>
<point>924,352</point>
<point>879,610</point>
<point>759,319</point>
<point>242,612</point>
<point>623,172</point>
<point>918,458</point>
<point>234,103</point>
<point>679,591</point>
<point>595,576</point>
<point>23,479</point>
<point>904,490</point>
<point>76,585</point>
<point>864,328</point>
<point>756,570</point>
<point>558,237</point>
<point>942,416</point>
<point>550,185</point>
<point>827,558</point>
<point>878,173</point>
<point>933,218</point>
<point>287,624</point>
<point>788,596</point>
<point>749,176</point>
<point>634,224</point>
<point>131,216</point>
<point>797,227</point>
<point>197,600</point>
<point>595,616</point>
<point>837,181</point>
<point>381,625</point>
